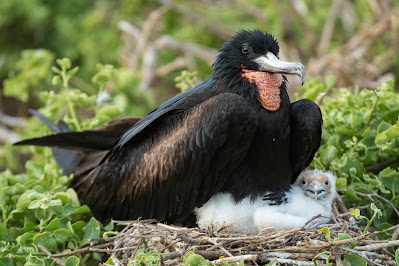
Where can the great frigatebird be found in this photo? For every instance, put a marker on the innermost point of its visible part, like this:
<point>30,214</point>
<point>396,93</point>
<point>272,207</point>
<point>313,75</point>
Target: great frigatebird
<point>236,132</point>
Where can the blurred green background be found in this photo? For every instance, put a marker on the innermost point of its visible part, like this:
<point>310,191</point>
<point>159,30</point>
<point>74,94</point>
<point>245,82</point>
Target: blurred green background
<point>150,42</point>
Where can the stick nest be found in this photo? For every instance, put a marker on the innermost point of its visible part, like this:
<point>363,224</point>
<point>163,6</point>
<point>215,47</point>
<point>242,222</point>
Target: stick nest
<point>305,245</point>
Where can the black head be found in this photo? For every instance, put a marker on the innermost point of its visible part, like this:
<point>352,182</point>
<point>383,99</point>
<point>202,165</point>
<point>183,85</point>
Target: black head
<point>243,48</point>
<point>251,50</point>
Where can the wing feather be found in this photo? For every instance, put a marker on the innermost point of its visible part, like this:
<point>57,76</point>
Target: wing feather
<point>169,172</point>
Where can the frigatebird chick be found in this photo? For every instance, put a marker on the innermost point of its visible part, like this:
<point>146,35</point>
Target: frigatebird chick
<point>311,194</point>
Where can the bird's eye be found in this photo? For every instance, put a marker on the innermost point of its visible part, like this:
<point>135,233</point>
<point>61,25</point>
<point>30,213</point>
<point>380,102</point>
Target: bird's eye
<point>326,183</point>
<point>303,182</point>
<point>245,49</point>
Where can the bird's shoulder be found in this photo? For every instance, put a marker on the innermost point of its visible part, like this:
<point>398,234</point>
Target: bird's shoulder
<point>179,103</point>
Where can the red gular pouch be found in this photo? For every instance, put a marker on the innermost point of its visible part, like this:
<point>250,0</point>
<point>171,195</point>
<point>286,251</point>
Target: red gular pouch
<point>268,86</point>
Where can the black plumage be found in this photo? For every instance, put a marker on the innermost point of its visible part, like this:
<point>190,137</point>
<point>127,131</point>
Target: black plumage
<point>236,132</point>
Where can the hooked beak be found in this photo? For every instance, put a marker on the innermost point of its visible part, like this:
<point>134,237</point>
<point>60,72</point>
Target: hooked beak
<point>270,63</point>
<point>316,191</point>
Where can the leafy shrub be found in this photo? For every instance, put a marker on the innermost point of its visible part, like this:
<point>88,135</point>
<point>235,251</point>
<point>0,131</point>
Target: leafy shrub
<point>37,207</point>
<point>360,133</point>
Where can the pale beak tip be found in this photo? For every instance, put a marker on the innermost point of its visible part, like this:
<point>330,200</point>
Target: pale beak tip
<point>302,72</point>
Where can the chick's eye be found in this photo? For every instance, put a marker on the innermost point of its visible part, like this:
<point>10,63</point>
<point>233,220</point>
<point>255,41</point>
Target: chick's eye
<point>303,182</point>
<point>245,49</point>
<point>326,183</point>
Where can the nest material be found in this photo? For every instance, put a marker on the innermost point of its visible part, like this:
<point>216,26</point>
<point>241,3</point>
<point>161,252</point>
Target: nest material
<point>292,247</point>
<point>305,245</point>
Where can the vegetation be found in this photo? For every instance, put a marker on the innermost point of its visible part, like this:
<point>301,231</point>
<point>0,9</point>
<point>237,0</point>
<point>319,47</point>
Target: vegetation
<point>131,53</point>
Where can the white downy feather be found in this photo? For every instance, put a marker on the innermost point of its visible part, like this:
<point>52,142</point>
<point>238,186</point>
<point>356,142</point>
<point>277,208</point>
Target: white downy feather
<point>301,204</point>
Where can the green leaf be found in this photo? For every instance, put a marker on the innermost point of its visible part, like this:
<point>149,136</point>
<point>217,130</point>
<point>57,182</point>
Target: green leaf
<point>104,74</point>
<point>22,239</point>
<point>73,196</point>
<point>386,235</point>
<point>382,126</point>
<point>35,204</point>
<point>342,183</point>
<point>109,261</point>
<point>329,263</point>
<point>56,81</point>
<point>351,193</point>
<point>342,236</point>
<point>7,261</point>
<point>54,224</point>
<point>64,63</point>
<point>327,233</point>
<point>29,226</point>
<point>3,232</point>
<point>62,235</point>
<point>109,226</point>
<point>328,154</point>
<point>78,226</point>
<point>34,261</point>
<point>352,260</point>
<point>92,230</point>
<point>390,178</point>
<point>72,72</point>
<point>44,215</point>
<point>63,196</point>
<point>195,260</point>
<point>45,239</point>
<point>68,209</point>
<point>56,70</point>
<point>81,210</point>
<point>72,261</point>
<point>387,135</point>
<point>355,213</point>
<point>375,209</point>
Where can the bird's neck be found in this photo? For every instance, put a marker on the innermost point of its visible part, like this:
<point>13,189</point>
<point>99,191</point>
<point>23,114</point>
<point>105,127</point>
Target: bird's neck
<point>268,85</point>
<point>258,88</point>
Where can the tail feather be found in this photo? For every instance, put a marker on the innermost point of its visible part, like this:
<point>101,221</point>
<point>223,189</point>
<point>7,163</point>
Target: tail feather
<point>85,140</point>
<point>56,128</point>
<point>70,149</point>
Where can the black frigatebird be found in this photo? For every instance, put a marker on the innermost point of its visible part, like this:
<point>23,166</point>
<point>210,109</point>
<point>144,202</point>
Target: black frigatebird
<point>236,132</point>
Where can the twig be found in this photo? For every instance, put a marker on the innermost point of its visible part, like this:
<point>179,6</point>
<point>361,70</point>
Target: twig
<point>235,259</point>
<point>361,254</point>
<point>211,25</point>
<point>320,98</point>
<point>395,234</point>
<point>388,229</point>
<point>115,259</point>
<point>7,135</point>
<point>10,121</point>
<point>48,253</point>
<point>379,166</point>
<point>373,247</point>
<point>308,248</point>
<point>377,196</point>
<point>221,247</point>
<point>328,29</point>
<point>84,250</point>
